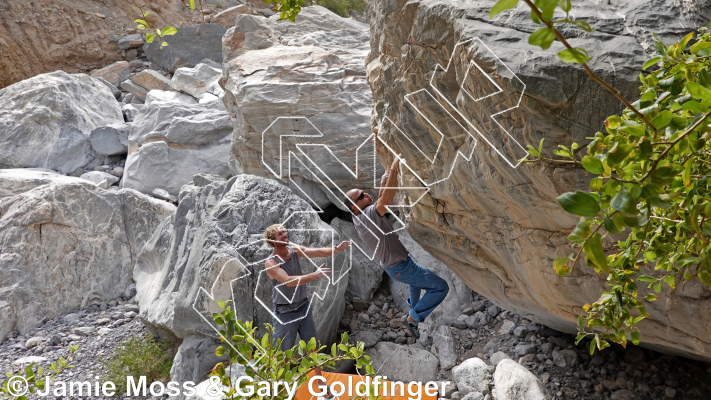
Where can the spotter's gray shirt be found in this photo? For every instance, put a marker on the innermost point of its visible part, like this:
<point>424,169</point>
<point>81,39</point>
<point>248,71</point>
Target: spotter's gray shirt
<point>386,244</point>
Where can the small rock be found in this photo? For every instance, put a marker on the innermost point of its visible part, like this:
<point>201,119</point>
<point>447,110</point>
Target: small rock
<point>130,315</point>
<point>497,357</point>
<point>34,342</point>
<point>507,327</point>
<point>102,321</point>
<point>130,41</point>
<point>29,360</point>
<point>83,331</point>
<point>670,392</point>
<point>71,319</point>
<point>163,195</point>
<point>358,304</point>
<point>522,349</point>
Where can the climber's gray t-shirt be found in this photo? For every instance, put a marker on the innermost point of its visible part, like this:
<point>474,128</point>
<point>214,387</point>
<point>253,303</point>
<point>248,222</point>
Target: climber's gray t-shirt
<point>390,250</point>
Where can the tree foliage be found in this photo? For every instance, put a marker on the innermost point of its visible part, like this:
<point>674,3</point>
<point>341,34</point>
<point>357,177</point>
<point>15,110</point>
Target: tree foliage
<point>264,360</point>
<point>650,197</point>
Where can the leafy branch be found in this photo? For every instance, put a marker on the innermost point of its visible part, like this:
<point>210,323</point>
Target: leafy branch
<point>651,188</point>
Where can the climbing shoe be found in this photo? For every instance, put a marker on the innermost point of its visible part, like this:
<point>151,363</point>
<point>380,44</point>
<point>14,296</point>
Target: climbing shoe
<point>411,326</point>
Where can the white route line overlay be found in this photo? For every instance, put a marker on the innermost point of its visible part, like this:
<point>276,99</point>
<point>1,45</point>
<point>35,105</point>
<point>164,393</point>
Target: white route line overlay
<point>354,173</point>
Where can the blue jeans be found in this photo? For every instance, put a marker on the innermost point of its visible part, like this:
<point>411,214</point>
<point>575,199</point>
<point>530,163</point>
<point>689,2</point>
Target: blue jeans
<point>419,278</point>
<point>300,321</point>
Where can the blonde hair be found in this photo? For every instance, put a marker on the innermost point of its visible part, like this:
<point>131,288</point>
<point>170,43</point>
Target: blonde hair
<point>270,233</point>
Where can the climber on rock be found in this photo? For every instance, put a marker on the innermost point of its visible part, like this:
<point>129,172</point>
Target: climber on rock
<point>289,294</point>
<point>376,231</point>
<point>292,313</point>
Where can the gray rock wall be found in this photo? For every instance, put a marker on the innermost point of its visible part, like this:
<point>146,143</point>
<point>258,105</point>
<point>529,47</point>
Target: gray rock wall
<point>499,228</point>
<point>45,121</point>
<point>66,245</point>
<point>312,68</point>
<point>213,242</point>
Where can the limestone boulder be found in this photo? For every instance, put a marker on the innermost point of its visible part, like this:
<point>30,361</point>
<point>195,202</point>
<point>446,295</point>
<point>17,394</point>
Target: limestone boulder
<point>67,245</point>
<point>195,81</point>
<point>403,363</point>
<point>227,18</point>
<point>212,250</point>
<point>110,139</point>
<point>171,142</point>
<point>368,271</point>
<point>514,381</point>
<point>195,359</point>
<point>311,68</point>
<point>151,80</point>
<point>187,48</point>
<point>45,121</point>
<point>497,227</point>
<point>168,97</point>
<point>114,73</point>
<point>19,180</point>
<point>470,376</point>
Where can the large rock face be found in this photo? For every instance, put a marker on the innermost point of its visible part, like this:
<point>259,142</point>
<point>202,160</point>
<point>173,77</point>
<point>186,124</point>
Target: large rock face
<point>72,35</point>
<point>66,245</point>
<point>187,48</point>
<point>170,142</point>
<point>45,121</point>
<point>19,180</point>
<point>499,228</point>
<point>212,246</point>
<point>313,68</point>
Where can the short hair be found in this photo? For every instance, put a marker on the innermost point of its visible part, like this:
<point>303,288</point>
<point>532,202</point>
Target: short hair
<point>270,233</point>
<point>348,202</point>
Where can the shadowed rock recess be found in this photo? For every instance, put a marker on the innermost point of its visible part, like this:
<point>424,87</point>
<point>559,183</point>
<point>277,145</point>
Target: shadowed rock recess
<point>499,228</point>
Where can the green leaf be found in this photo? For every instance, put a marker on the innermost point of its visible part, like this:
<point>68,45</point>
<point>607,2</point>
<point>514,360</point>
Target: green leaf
<point>220,351</point>
<point>664,175</point>
<point>581,325</point>
<point>699,46</point>
<point>658,287</point>
<point>646,278</point>
<point>192,4</point>
<point>705,277</point>
<point>651,297</point>
<point>697,91</point>
<point>593,249</point>
<point>662,120</point>
<point>560,266</point>
<point>150,37</point>
<point>623,201</point>
<point>141,22</point>
<point>169,30</point>
<point>610,226</point>
<point>669,279</point>
<point>651,62</point>
<point>547,8</point>
<point>579,203</point>
<point>584,25</point>
<point>592,164</point>
<point>635,337</point>
<point>592,347</point>
<point>574,56</point>
<point>543,37</point>
<point>618,153</point>
<point>565,5</point>
<point>581,231</point>
<point>686,175</point>
<point>502,5</point>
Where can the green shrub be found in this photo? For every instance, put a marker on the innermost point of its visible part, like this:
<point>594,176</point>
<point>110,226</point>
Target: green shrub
<point>139,356</point>
<point>341,7</point>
